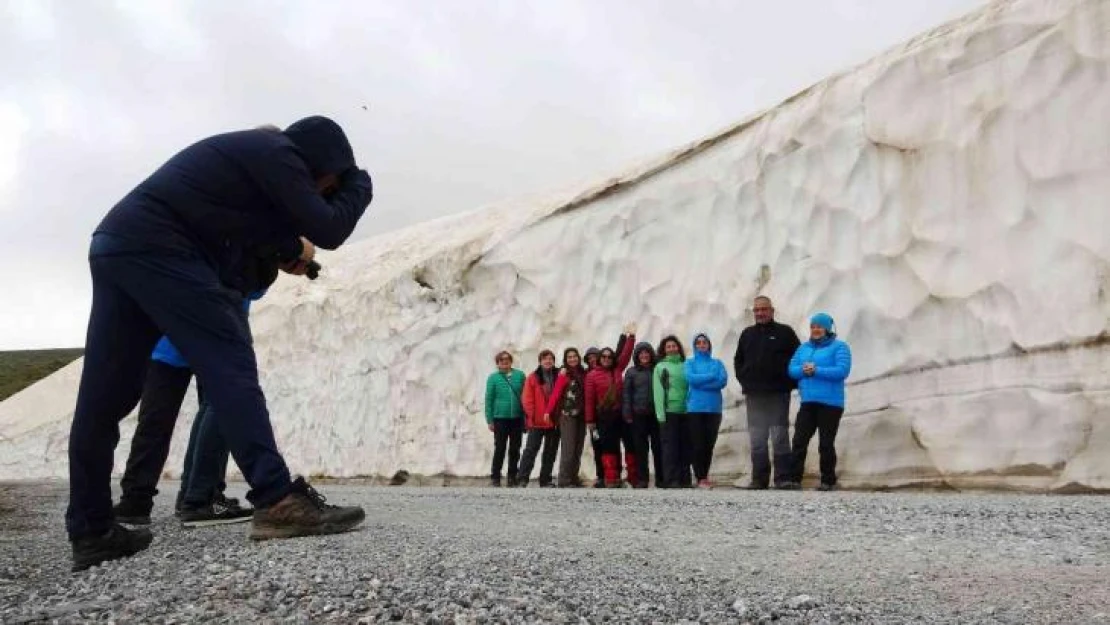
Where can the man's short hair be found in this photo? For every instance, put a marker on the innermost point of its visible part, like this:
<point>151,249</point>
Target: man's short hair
<point>764,298</point>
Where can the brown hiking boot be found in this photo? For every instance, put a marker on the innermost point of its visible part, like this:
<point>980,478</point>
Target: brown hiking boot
<point>303,512</point>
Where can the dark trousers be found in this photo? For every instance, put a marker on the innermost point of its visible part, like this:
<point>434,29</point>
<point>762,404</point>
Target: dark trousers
<point>647,439</point>
<point>677,455</point>
<point>549,439</point>
<point>572,441</point>
<point>506,433</point>
<point>613,433</point>
<point>769,417</point>
<point>138,297</point>
<point>599,470</point>
<point>825,420</point>
<point>202,477</point>
<point>163,392</point>
<point>704,427</point>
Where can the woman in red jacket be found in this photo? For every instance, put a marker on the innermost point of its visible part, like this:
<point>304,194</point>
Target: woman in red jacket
<point>604,416</point>
<point>539,390</point>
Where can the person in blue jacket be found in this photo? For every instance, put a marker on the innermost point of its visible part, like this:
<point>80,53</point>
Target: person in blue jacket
<point>821,365</point>
<point>167,260</point>
<point>706,377</point>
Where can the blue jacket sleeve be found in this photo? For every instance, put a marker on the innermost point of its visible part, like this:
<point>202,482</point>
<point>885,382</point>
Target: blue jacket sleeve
<point>842,366</point>
<point>795,367</point>
<point>720,380</point>
<point>696,380</point>
<point>286,181</point>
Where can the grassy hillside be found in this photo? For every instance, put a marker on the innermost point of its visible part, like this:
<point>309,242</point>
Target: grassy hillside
<point>21,369</point>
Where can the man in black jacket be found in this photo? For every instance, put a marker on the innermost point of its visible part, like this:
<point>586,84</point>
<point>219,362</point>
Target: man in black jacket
<point>169,260</point>
<point>761,361</point>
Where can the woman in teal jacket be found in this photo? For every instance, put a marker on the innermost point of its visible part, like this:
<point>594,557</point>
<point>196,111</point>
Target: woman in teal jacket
<point>706,377</point>
<point>505,416</point>
<point>820,365</point>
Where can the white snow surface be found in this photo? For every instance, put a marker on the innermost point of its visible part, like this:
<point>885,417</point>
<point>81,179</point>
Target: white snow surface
<point>945,202</point>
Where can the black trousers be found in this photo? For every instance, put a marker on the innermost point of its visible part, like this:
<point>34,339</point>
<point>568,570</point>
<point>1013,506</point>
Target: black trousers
<point>136,298</point>
<point>677,453</point>
<point>599,471</point>
<point>704,427</point>
<point>163,392</point>
<point>825,420</point>
<point>506,433</point>
<point>647,438</point>
<point>769,418</point>
<point>549,439</point>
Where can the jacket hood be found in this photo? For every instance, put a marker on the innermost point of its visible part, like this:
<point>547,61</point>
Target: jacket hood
<point>593,351</point>
<point>825,321</point>
<point>694,343</point>
<point>642,347</point>
<point>322,144</point>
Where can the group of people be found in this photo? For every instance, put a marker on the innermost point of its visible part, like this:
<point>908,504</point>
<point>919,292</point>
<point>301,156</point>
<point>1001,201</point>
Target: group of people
<point>667,407</point>
<point>174,266</point>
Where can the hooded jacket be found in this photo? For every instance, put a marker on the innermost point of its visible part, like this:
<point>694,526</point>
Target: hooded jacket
<point>604,387</point>
<point>639,397</point>
<point>832,359</point>
<point>538,395</point>
<point>706,377</point>
<point>762,356</point>
<point>242,190</point>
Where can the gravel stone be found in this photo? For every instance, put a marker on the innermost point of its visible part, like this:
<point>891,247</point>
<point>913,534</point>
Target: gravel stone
<point>475,555</point>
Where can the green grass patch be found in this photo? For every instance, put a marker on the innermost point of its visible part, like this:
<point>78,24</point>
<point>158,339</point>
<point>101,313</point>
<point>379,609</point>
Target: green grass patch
<point>20,369</point>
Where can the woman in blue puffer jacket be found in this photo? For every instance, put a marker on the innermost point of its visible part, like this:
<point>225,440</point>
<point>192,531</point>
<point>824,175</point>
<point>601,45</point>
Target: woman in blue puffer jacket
<point>706,377</point>
<point>820,365</point>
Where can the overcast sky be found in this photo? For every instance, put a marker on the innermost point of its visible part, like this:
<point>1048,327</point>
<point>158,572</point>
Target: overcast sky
<point>466,102</point>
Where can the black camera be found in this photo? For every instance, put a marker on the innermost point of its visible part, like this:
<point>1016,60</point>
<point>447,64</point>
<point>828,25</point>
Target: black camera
<point>312,270</point>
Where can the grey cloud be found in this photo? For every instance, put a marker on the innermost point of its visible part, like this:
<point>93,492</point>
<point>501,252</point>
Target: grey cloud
<point>467,102</point>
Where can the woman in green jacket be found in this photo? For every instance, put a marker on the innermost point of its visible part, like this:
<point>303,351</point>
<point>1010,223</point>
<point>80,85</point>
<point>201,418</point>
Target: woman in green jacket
<point>505,416</point>
<point>669,385</point>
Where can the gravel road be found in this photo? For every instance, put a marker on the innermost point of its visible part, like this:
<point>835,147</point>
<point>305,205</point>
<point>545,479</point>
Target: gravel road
<point>478,555</point>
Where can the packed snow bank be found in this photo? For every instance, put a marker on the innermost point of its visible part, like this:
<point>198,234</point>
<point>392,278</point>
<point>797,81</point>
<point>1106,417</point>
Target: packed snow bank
<point>945,202</point>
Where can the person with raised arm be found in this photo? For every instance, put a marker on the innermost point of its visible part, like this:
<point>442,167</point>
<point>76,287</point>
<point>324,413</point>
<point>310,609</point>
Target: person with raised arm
<point>604,417</point>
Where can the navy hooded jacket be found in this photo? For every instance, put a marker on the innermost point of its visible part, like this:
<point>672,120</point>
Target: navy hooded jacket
<point>247,189</point>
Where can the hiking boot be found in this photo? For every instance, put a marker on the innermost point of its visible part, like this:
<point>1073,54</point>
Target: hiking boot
<point>513,482</point>
<point>756,486</point>
<point>522,483</point>
<point>118,542</point>
<point>616,484</point>
<point>790,486</point>
<point>826,487</point>
<point>303,512</point>
<point>705,484</point>
<point>131,512</point>
<point>222,511</point>
<point>599,483</point>
<point>495,482</point>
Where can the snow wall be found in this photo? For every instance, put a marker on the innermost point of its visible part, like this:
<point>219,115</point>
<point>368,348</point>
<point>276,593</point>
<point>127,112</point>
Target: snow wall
<point>946,202</point>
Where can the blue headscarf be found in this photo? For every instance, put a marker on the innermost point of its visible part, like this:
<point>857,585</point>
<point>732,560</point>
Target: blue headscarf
<point>825,321</point>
